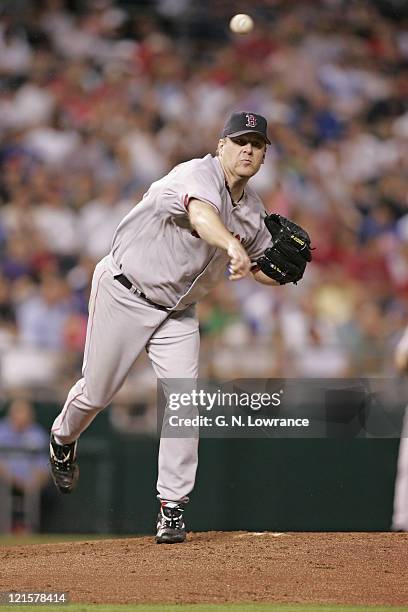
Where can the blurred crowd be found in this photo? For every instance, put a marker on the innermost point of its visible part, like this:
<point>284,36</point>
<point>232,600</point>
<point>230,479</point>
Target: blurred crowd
<point>23,467</point>
<point>98,99</point>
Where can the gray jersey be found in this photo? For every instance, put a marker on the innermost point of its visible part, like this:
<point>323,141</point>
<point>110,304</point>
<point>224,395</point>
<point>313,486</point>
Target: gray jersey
<point>157,249</point>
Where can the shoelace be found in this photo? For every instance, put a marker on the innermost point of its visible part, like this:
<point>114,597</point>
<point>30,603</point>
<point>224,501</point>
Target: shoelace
<point>175,520</point>
<point>63,456</point>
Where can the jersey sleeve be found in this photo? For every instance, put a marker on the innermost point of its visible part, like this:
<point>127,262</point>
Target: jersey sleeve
<point>198,183</point>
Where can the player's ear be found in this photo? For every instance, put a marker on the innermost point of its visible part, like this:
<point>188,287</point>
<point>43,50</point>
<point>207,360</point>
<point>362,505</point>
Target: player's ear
<point>264,153</point>
<point>220,145</point>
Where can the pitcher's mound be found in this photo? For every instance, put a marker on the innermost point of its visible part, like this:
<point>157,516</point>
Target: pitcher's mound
<point>215,567</point>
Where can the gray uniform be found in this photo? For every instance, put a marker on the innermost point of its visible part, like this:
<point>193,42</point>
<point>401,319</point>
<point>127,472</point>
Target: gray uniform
<point>157,250</point>
<point>400,514</point>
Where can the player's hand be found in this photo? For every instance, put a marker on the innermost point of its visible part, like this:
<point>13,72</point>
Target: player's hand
<point>240,264</point>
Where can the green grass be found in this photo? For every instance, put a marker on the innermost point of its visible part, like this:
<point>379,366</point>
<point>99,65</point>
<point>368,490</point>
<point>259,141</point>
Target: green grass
<point>207,608</point>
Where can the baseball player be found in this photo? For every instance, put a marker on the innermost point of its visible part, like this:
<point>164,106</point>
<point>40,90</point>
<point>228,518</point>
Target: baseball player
<point>400,514</point>
<point>170,250</point>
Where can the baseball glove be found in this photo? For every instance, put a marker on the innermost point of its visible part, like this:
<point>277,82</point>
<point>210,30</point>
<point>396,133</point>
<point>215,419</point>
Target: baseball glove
<point>285,260</point>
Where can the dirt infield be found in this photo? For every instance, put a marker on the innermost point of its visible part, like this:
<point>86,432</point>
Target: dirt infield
<point>215,567</point>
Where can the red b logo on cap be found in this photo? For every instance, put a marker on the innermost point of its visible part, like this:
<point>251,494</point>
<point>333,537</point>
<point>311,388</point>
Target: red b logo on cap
<point>251,121</point>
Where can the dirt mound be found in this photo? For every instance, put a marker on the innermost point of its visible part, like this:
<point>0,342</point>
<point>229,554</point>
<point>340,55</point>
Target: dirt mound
<point>349,568</point>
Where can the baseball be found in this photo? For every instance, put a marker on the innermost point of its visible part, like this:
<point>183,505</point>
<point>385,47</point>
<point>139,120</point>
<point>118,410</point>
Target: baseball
<point>241,24</point>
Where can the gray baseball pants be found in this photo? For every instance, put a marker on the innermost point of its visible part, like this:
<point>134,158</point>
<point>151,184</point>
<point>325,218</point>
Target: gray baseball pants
<point>120,326</point>
<point>400,515</point>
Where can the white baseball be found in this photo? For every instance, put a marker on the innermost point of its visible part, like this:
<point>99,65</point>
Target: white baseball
<point>241,24</point>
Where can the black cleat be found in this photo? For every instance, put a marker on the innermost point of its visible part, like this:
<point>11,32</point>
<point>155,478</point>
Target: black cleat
<point>170,525</point>
<point>64,467</point>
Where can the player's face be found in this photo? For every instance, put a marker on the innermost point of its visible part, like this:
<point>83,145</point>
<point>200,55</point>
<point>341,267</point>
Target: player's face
<point>243,155</point>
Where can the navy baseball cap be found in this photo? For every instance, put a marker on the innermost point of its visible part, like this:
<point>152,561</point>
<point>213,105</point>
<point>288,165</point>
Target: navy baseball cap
<point>243,123</point>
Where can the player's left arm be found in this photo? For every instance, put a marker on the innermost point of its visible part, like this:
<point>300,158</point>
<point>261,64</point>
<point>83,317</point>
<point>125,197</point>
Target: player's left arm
<point>288,253</point>
<point>260,277</point>
<point>256,247</point>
